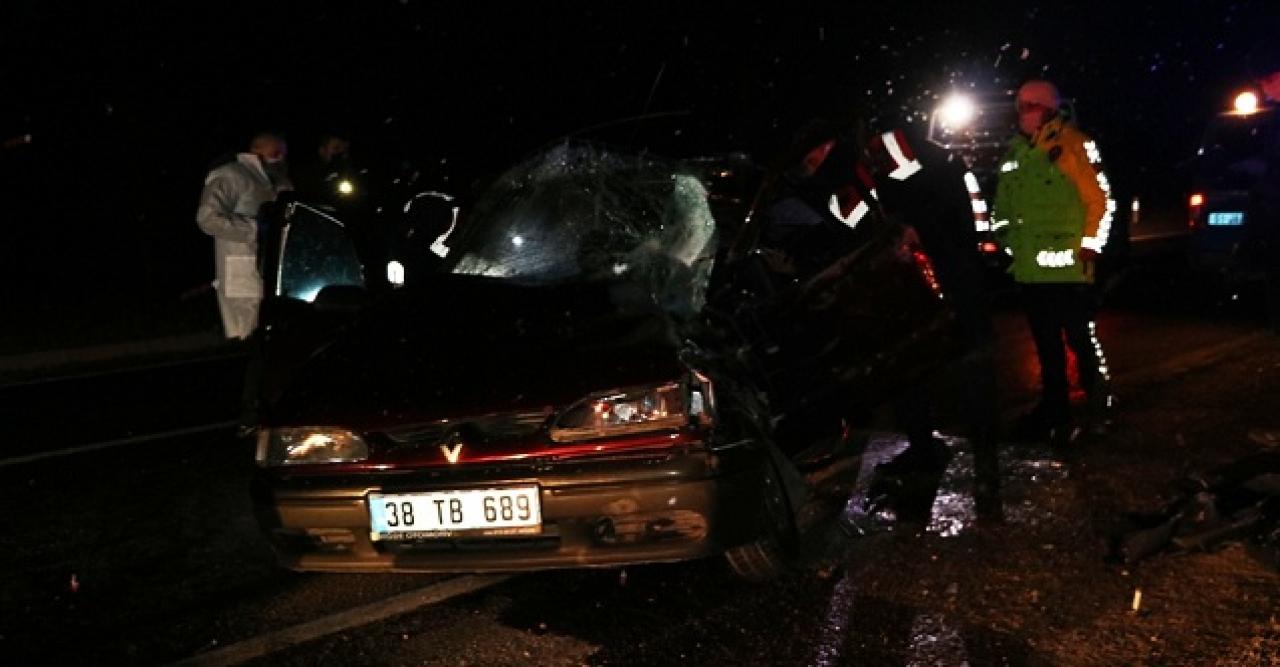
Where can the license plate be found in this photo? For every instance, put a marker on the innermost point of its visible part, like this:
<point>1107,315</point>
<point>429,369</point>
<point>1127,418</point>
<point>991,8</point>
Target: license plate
<point>478,512</point>
<point>1226,219</point>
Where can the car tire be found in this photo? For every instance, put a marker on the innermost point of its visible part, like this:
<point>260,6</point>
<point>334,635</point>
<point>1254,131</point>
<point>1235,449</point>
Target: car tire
<point>772,554</point>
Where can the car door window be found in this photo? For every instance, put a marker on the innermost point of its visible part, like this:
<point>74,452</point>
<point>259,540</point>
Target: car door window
<point>316,252</point>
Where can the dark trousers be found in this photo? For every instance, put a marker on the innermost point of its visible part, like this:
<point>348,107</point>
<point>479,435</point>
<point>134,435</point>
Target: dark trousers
<point>1056,312</point>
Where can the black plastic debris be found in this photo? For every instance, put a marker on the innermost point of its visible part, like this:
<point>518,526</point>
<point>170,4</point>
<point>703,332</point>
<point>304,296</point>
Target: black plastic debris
<point>1237,502</point>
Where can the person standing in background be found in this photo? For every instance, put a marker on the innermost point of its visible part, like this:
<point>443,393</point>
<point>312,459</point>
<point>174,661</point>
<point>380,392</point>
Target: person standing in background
<point>1053,213</point>
<point>228,211</point>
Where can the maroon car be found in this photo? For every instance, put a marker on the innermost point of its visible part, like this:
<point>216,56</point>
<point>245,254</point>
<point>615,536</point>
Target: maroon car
<point>596,376</point>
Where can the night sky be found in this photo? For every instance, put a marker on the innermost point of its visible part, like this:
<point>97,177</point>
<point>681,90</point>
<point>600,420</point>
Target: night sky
<point>128,105</point>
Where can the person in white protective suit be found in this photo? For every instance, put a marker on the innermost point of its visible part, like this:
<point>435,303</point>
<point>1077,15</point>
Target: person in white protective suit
<point>233,193</point>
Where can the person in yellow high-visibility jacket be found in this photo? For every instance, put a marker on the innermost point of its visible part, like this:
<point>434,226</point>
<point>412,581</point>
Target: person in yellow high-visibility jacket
<point>1053,213</point>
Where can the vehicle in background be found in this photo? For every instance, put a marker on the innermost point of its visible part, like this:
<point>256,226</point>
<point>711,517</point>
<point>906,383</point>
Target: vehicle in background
<point>1227,164</point>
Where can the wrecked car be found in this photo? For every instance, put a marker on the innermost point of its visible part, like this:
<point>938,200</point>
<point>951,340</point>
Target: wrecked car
<point>595,376</point>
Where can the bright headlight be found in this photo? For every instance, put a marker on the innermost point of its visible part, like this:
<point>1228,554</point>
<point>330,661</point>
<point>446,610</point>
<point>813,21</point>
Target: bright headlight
<point>628,411</point>
<point>294,446</point>
<point>1246,102</point>
<point>957,112</point>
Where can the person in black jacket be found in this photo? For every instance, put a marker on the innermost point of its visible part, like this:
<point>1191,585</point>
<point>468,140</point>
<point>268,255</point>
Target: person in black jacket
<point>319,178</point>
<point>837,173</point>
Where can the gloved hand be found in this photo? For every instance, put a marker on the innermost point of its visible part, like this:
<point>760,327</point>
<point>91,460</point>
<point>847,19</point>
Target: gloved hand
<point>1089,261</point>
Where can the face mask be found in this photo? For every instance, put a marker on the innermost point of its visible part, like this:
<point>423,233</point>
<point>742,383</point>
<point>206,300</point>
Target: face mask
<point>276,170</point>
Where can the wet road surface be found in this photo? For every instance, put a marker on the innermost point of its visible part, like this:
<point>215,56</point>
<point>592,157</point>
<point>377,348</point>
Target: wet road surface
<point>147,553</point>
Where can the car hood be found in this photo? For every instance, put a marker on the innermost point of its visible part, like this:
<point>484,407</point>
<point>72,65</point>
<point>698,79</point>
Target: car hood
<point>464,346</point>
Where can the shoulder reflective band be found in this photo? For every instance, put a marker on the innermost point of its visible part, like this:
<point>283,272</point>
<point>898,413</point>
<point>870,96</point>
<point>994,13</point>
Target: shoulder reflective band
<point>856,214</point>
<point>847,203</point>
<point>1091,149</point>
<point>437,246</point>
<point>904,159</point>
<point>981,221</point>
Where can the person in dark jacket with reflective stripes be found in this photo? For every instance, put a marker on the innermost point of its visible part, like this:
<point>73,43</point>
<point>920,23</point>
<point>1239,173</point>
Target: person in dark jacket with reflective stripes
<point>835,176</point>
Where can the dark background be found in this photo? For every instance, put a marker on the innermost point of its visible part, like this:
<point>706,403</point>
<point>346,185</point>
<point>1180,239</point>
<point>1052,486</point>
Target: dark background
<point>129,103</point>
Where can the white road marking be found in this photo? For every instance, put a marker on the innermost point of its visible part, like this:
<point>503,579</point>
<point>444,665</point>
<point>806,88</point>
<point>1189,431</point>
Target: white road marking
<point>881,448</point>
<point>404,603</point>
<point>152,366</point>
<point>830,650</point>
<point>935,643</point>
<point>953,504</point>
<point>133,440</point>
<point>1156,236</point>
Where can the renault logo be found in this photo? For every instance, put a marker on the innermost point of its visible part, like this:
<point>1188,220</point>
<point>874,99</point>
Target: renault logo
<point>451,454</point>
<point>452,449</point>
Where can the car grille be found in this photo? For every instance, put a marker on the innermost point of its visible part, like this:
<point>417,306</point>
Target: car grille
<point>507,426</point>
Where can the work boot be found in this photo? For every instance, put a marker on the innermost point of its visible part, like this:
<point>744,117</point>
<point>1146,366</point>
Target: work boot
<point>1061,435</point>
<point>1100,410</point>
<point>928,456</point>
<point>986,476</point>
<point>1041,424</point>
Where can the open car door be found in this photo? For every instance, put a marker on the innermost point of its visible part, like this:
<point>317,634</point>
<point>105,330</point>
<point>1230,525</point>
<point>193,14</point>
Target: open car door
<point>314,283</point>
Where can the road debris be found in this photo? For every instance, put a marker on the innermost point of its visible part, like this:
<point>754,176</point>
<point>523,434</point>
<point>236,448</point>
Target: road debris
<point>1239,501</point>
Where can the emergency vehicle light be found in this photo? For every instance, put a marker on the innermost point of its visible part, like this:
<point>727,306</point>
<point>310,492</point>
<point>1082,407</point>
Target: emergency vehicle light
<point>957,111</point>
<point>1246,102</point>
<point>1194,204</point>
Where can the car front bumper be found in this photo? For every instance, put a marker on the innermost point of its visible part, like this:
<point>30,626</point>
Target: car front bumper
<point>672,507</point>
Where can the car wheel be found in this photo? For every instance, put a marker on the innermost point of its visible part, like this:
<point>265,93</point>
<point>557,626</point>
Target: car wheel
<point>772,554</point>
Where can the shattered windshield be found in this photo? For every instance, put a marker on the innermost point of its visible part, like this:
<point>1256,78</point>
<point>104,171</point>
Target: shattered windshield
<point>581,212</point>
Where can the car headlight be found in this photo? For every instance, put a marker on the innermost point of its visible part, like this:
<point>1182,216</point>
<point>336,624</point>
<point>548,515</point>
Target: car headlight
<point>295,446</point>
<point>628,411</point>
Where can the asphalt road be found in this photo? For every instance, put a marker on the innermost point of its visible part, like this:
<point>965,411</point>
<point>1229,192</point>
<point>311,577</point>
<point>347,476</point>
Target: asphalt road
<point>145,552</point>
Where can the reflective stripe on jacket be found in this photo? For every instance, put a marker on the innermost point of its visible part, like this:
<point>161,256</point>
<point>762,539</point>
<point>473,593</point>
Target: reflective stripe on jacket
<point>1052,199</point>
